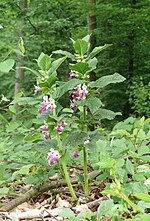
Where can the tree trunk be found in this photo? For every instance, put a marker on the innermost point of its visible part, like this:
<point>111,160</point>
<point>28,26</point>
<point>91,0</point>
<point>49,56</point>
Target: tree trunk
<point>91,26</point>
<point>19,71</point>
<point>131,38</point>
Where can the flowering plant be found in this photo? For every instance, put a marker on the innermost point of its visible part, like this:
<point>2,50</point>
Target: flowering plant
<point>70,125</point>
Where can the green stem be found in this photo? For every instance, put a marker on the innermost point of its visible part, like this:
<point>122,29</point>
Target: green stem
<point>68,179</point>
<point>133,205</point>
<point>86,184</point>
<point>65,171</point>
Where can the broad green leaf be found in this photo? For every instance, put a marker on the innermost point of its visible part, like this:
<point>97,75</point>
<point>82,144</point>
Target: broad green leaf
<point>69,85</point>
<point>142,196</point>
<point>120,132</point>
<point>81,67</point>
<point>92,63</point>
<point>84,215</point>
<point>143,150</point>
<point>4,191</point>
<point>7,65</point>
<point>52,79</point>
<point>92,102</point>
<point>66,53</point>
<point>1,26</point>
<point>12,126</point>
<point>86,38</point>
<point>18,52</point>
<point>56,64</point>
<point>32,71</point>
<point>32,137</point>
<point>105,114</point>
<point>25,170</point>
<point>81,46</point>
<point>44,61</point>
<point>105,208</point>
<point>129,167</point>
<point>106,80</point>
<point>68,213</point>
<point>2,118</point>
<point>25,100</point>
<point>143,169</point>
<point>12,109</point>
<point>75,138</point>
<point>96,50</point>
<point>106,163</point>
<point>143,205</point>
<point>145,217</point>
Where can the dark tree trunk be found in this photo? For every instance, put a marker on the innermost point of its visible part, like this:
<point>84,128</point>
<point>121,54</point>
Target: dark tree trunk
<point>131,39</point>
<point>19,71</point>
<point>91,25</point>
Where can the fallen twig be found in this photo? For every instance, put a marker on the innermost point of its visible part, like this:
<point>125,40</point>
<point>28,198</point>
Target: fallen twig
<point>33,192</point>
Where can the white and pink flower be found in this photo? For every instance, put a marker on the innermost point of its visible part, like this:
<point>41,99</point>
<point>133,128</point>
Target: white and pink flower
<point>47,104</point>
<point>53,156</point>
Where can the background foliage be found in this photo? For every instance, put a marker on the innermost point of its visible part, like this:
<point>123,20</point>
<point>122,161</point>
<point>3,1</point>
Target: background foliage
<point>48,26</point>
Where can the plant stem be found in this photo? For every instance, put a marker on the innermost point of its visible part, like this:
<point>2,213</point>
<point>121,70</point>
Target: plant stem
<point>133,205</point>
<point>86,184</point>
<point>65,171</point>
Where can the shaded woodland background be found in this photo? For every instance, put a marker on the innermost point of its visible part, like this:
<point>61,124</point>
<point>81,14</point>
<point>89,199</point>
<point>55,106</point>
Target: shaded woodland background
<point>46,26</point>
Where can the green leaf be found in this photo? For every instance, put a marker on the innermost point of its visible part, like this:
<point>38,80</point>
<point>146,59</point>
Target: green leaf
<point>105,114</point>
<point>25,170</point>
<point>145,217</point>
<point>68,213</point>
<point>2,118</point>
<point>12,126</point>
<point>92,102</point>
<point>86,38</point>
<point>4,191</point>
<point>32,137</point>
<point>69,85</point>
<point>81,46</point>
<point>12,109</point>
<point>32,71</point>
<point>44,61</point>
<point>25,100</point>
<point>18,52</point>
<point>120,132</point>
<point>105,208</point>
<point>7,65</point>
<point>129,167</point>
<point>142,196</point>
<point>75,138</point>
<point>81,67</point>
<point>1,26</point>
<point>106,80</point>
<point>56,64</point>
<point>96,50</point>
<point>66,53</point>
<point>106,163</point>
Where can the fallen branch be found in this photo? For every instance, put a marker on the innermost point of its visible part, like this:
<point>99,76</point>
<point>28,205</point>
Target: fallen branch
<point>35,191</point>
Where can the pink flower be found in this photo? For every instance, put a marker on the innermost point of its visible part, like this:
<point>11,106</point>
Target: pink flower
<point>61,126</point>
<point>48,103</point>
<point>100,125</point>
<point>44,127</point>
<point>53,156</point>
<point>72,74</point>
<point>44,131</point>
<point>36,89</point>
<point>76,154</point>
<point>46,135</point>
